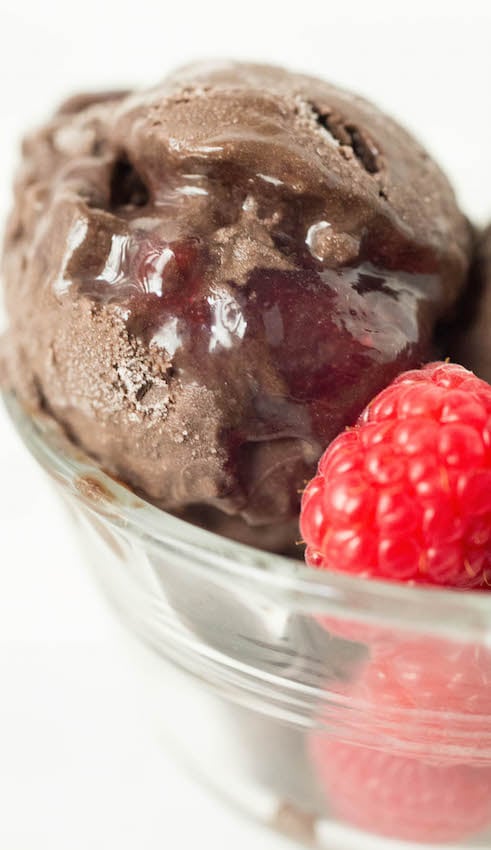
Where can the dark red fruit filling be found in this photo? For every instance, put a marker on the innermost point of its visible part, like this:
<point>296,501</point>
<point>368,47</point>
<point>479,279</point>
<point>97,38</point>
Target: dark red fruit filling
<point>313,344</point>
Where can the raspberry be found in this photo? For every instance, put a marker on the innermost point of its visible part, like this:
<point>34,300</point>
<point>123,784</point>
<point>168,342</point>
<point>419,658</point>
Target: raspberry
<point>439,678</point>
<point>400,796</point>
<point>430,699</point>
<point>406,494</point>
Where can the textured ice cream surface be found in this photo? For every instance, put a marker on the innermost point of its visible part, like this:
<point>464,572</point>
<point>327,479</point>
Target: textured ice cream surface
<point>208,280</point>
<point>471,339</point>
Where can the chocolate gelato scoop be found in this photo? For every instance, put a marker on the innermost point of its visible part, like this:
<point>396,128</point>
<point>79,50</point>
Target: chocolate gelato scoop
<point>472,338</point>
<point>208,280</point>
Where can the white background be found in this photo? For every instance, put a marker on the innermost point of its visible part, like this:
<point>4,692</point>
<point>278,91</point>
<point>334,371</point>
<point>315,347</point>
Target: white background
<point>79,768</point>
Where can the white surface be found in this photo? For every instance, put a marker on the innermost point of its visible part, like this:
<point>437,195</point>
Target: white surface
<point>78,766</point>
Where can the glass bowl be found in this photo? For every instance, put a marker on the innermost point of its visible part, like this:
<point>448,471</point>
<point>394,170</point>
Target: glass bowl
<point>345,713</point>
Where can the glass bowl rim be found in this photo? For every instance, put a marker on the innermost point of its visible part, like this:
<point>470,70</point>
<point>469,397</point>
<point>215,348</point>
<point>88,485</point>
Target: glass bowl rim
<point>464,615</point>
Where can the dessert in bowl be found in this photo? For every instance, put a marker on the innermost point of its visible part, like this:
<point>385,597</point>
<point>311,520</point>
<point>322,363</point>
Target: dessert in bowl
<point>206,284</point>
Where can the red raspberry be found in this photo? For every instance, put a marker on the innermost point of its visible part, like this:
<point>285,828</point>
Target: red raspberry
<point>400,796</point>
<point>427,705</point>
<point>406,494</point>
<point>414,683</point>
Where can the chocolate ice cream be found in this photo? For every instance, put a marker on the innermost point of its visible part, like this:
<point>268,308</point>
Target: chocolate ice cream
<point>472,338</point>
<point>208,280</point>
